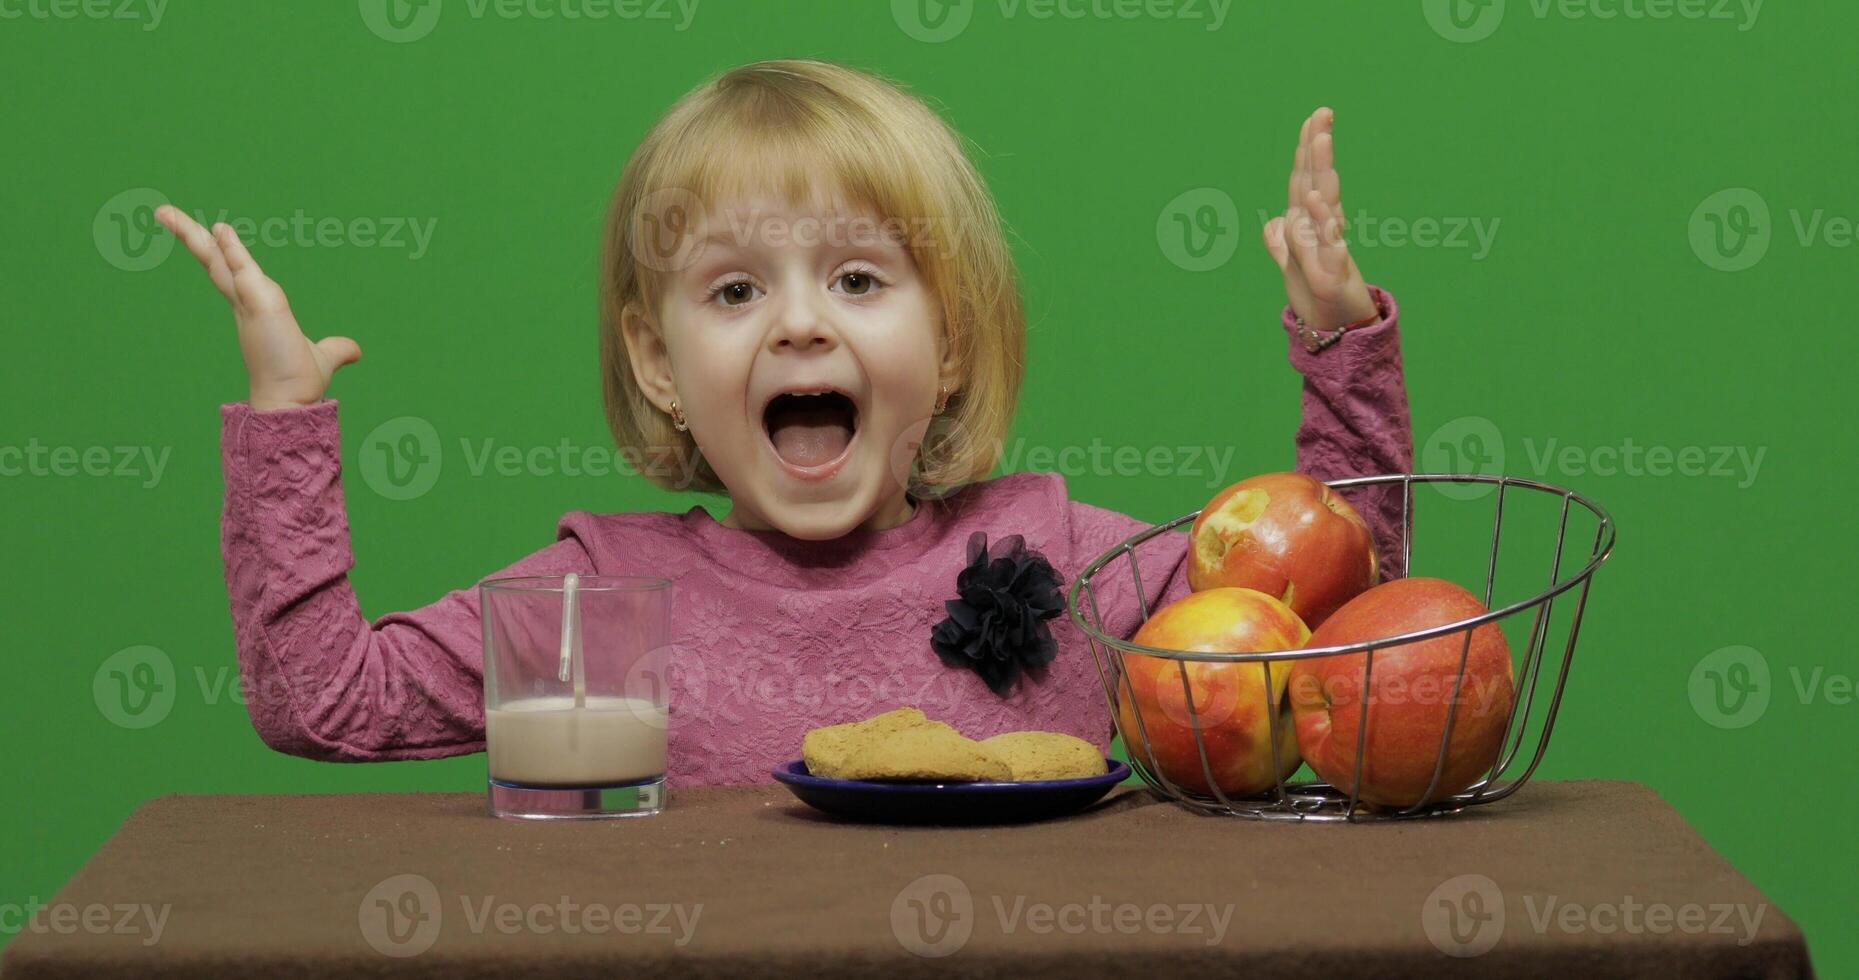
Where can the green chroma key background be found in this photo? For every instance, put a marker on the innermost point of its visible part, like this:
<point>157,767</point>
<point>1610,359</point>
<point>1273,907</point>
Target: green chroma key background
<point>1619,242</point>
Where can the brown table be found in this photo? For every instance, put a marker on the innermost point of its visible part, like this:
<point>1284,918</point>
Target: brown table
<point>1574,879</point>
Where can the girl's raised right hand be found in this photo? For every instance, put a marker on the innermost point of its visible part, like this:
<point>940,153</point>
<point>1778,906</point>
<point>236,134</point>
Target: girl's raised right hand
<point>284,368</point>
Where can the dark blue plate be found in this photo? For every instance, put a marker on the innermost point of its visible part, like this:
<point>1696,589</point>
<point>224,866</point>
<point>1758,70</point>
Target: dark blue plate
<point>947,803</point>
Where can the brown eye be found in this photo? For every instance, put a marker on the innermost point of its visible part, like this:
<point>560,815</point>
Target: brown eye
<point>737,293</point>
<point>857,283</point>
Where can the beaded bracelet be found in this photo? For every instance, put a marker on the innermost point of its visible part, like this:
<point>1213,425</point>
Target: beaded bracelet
<point>1314,341</point>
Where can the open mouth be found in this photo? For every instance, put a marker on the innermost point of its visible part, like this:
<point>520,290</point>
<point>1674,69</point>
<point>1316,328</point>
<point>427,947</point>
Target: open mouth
<point>810,430</point>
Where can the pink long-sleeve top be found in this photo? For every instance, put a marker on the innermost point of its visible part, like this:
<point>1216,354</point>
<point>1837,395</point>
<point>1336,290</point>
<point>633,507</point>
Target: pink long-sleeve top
<point>773,635</point>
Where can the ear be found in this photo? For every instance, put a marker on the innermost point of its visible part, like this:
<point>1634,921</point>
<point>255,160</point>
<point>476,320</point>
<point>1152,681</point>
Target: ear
<point>645,347</point>
<point>949,369</point>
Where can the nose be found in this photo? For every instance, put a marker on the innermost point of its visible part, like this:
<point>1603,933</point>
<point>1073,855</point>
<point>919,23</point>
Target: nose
<point>801,327</point>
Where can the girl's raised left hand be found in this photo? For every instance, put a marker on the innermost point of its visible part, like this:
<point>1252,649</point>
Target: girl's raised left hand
<point>1321,279</point>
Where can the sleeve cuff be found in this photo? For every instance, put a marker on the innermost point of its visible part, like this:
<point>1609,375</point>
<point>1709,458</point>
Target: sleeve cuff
<point>1377,341</point>
<point>250,435</point>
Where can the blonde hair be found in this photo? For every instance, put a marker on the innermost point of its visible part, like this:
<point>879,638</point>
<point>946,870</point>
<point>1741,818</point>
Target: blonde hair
<point>779,126</point>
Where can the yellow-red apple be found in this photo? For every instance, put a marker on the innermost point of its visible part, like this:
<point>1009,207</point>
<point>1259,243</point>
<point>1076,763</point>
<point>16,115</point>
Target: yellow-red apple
<point>1410,691</point>
<point>1286,535</point>
<point>1229,699</point>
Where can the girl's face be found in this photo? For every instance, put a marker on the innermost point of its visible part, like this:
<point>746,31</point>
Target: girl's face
<point>804,350</point>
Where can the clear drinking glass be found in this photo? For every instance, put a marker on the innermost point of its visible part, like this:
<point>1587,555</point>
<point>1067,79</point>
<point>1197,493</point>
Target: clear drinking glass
<point>576,695</point>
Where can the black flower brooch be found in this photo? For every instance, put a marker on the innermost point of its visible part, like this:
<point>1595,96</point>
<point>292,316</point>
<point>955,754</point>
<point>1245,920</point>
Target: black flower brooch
<point>997,623</point>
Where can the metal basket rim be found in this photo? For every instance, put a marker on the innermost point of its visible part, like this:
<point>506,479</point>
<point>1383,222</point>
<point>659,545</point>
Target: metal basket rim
<point>1605,538</point>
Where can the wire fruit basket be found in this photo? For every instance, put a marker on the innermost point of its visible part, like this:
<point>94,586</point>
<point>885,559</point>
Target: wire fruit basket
<point>1547,632</point>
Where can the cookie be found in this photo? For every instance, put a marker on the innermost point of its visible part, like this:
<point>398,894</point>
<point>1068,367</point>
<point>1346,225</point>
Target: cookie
<point>825,749</point>
<point>1046,755</point>
<point>927,752</point>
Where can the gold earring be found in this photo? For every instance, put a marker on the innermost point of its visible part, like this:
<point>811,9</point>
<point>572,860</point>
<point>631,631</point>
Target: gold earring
<point>677,417</point>
<point>942,399</point>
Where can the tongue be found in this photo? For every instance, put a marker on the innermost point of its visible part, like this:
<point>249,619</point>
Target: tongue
<point>806,436</point>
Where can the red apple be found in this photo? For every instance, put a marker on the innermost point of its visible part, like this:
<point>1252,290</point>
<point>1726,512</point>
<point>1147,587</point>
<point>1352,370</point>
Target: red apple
<point>1410,693</point>
<point>1229,699</point>
<point>1286,535</point>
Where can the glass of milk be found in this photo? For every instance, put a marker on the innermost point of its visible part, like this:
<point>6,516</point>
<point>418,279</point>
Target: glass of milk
<point>576,695</point>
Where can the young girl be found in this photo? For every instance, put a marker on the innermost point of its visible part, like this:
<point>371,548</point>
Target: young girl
<point>809,306</point>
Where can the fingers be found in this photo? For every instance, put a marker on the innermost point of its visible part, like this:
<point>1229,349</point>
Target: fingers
<point>1322,157</point>
<point>1300,167</point>
<point>1300,238</point>
<point>238,259</point>
<point>202,245</point>
<point>1314,237</point>
<point>1327,254</point>
<point>228,263</point>
<point>1275,244</point>
<point>257,294</point>
<point>1328,223</point>
<point>1314,165</point>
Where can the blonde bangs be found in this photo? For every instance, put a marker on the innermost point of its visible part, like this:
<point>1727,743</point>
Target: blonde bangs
<point>793,132</point>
